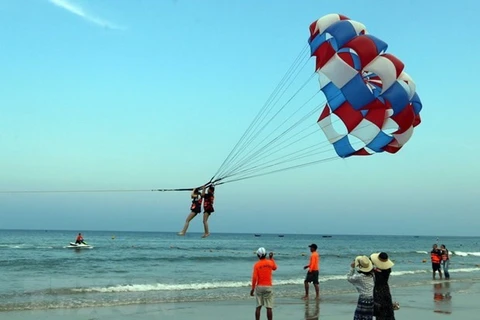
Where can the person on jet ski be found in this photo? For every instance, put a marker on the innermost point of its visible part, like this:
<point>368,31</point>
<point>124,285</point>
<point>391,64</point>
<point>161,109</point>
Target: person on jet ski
<point>79,239</point>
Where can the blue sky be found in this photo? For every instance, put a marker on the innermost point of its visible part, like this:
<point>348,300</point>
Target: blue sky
<point>155,94</point>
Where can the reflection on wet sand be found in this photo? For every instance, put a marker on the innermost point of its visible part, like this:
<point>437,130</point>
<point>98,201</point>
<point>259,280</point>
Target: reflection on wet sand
<point>312,310</point>
<point>441,298</point>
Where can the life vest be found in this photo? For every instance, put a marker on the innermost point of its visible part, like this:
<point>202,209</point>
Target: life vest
<point>435,257</point>
<point>208,202</point>
<point>196,203</point>
<point>445,255</point>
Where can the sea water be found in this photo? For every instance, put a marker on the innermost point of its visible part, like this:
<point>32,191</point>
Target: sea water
<point>39,271</point>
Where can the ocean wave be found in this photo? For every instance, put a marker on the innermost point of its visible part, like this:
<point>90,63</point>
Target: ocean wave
<point>464,254</point>
<point>196,286</point>
<point>231,284</point>
<point>422,252</point>
<point>163,287</point>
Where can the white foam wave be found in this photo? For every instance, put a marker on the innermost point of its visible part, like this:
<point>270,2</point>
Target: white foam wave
<point>464,254</point>
<point>166,287</point>
<point>194,286</point>
<point>13,246</point>
<point>423,252</point>
<point>402,273</point>
<point>465,270</point>
<point>233,284</point>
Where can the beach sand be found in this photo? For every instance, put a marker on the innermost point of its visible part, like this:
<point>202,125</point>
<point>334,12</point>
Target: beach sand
<point>440,299</point>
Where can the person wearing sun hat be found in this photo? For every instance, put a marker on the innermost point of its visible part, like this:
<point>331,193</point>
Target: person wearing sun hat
<point>262,282</point>
<point>383,309</point>
<point>361,276</point>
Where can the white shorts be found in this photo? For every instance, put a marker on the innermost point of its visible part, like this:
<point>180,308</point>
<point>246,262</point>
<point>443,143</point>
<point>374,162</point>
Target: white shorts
<point>264,296</point>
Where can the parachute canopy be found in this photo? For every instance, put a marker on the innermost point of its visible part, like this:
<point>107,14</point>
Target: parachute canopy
<point>368,93</point>
<point>370,105</point>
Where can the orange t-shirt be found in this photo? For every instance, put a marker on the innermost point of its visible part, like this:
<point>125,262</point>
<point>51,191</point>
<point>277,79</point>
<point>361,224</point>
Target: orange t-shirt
<point>314,260</point>
<point>262,272</point>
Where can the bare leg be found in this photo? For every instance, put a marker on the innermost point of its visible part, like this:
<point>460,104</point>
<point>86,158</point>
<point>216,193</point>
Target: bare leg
<point>317,291</point>
<point>269,314</point>
<point>187,223</point>
<point>257,313</point>
<point>306,290</point>
<point>205,224</point>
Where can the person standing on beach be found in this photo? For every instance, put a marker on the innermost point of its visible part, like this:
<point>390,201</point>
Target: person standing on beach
<point>383,307</point>
<point>262,284</point>
<point>313,271</point>
<point>361,276</point>
<point>195,208</point>
<point>208,199</point>
<point>445,261</point>
<point>436,257</point>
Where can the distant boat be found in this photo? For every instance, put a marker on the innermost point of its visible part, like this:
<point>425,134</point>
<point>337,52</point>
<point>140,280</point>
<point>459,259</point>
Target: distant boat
<point>281,235</point>
<point>326,236</point>
<point>257,235</point>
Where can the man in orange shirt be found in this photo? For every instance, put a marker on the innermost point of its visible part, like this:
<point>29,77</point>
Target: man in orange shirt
<point>313,268</point>
<point>262,282</point>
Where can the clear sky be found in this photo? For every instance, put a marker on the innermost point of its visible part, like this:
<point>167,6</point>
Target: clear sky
<point>154,94</point>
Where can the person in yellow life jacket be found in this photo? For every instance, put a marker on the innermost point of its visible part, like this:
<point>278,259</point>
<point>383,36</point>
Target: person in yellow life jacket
<point>208,209</point>
<point>436,257</point>
<point>195,208</point>
<point>445,260</point>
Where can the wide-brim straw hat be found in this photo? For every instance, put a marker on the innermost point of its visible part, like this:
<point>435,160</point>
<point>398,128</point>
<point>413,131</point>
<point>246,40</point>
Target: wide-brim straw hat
<point>363,264</point>
<point>381,260</point>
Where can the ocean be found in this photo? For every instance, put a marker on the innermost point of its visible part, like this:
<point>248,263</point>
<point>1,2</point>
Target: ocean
<point>38,271</point>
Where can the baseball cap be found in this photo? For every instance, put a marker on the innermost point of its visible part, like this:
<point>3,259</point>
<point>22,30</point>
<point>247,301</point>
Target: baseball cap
<point>313,245</point>
<point>261,252</point>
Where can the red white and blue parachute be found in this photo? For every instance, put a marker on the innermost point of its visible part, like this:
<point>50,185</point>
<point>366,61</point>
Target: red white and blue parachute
<point>370,106</point>
<point>366,89</point>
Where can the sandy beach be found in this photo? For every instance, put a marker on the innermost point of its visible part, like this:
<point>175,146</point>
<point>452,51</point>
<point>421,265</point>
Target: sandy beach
<point>453,299</point>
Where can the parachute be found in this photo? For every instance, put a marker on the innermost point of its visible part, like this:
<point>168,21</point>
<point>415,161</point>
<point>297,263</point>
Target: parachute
<point>366,89</point>
<point>371,106</point>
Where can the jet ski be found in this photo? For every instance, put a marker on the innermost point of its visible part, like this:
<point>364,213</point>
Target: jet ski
<point>79,245</point>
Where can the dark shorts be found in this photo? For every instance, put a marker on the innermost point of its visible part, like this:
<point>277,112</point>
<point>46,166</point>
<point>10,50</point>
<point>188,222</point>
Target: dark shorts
<point>435,266</point>
<point>312,277</point>
<point>208,210</point>
<point>196,209</point>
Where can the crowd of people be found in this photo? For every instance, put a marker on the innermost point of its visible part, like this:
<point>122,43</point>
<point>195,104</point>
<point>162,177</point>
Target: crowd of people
<point>369,275</point>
